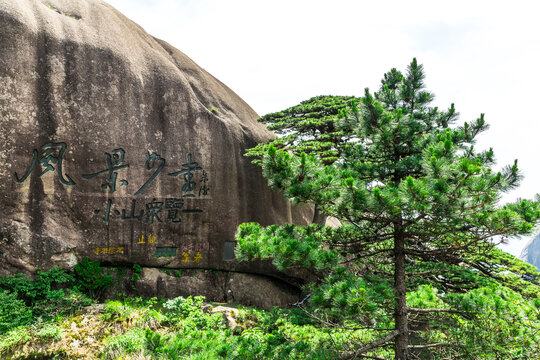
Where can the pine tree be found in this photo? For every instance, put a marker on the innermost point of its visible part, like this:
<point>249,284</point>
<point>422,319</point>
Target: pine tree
<point>309,127</point>
<point>418,205</point>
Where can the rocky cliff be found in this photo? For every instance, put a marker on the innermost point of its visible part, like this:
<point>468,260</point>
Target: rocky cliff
<point>118,147</point>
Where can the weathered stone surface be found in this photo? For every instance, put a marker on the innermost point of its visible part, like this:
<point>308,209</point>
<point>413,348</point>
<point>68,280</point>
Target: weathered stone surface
<point>230,317</point>
<point>220,286</point>
<point>118,147</point>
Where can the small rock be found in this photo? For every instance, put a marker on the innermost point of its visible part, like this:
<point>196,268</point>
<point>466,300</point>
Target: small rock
<point>230,317</point>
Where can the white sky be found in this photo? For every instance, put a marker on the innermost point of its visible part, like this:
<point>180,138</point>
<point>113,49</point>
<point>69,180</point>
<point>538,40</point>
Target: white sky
<point>481,55</point>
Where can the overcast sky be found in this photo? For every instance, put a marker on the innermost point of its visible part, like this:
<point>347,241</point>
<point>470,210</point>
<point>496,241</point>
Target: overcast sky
<point>481,55</point>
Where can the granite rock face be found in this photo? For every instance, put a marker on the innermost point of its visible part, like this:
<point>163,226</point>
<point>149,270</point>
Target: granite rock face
<point>247,289</point>
<point>118,147</point>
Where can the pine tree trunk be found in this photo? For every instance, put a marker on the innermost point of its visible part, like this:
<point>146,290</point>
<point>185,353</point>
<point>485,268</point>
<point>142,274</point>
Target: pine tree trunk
<point>400,311</point>
<point>318,216</point>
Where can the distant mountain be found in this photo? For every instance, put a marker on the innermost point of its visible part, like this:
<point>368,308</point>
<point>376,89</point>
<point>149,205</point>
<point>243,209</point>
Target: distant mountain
<point>531,252</point>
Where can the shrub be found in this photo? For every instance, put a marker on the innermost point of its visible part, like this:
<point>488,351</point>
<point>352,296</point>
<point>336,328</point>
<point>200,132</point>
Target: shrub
<point>90,279</point>
<point>47,284</point>
<point>137,269</point>
<point>60,302</point>
<point>115,311</point>
<point>174,305</point>
<point>13,312</point>
<point>43,297</point>
<point>188,312</point>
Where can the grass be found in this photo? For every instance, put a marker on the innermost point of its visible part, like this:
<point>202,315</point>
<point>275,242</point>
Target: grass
<point>49,317</point>
<point>180,328</point>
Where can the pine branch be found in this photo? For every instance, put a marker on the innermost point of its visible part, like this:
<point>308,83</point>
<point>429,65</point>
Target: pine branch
<point>451,249</point>
<point>334,325</point>
<point>426,346</point>
<point>416,310</point>
<point>368,347</point>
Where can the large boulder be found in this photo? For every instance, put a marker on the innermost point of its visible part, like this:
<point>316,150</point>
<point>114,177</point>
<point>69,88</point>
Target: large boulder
<point>118,147</point>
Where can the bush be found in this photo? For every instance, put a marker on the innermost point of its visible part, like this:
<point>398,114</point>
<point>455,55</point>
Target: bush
<point>189,312</point>
<point>47,284</point>
<point>13,312</point>
<point>43,297</point>
<point>174,306</point>
<point>60,302</point>
<point>90,279</point>
<point>115,311</point>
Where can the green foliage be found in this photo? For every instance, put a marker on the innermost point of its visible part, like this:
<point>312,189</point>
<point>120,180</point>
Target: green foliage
<point>130,343</point>
<point>347,297</point>
<point>419,208</point>
<point>44,286</point>
<point>291,334</point>
<point>175,306</point>
<point>13,311</point>
<point>14,337</point>
<point>46,296</point>
<point>179,328</point>
<point>90,278</point>
<point>50,332</point>
<point>188,311</point>
<point>288,245</point>
<point>308,127</point>
<point>115,310</point>
<point>175,273</point>
<point>279,334</point>
<point>514,273</point>
<point>139,311</point>
<point>504,324</point>
<point>191,344</point>
<point>137,269</point>
<point>199,333</point>
<point>492,322</point>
